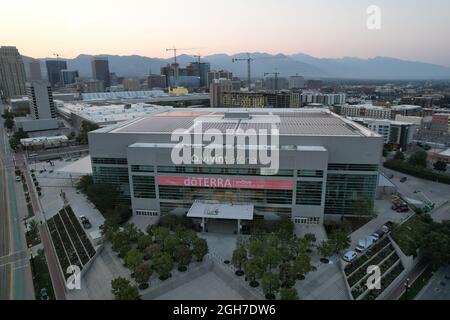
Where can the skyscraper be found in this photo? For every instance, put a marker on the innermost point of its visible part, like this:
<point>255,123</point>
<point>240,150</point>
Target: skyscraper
<point>68,76</point>
<point>35,70</point>
<point>100,70</point>
<point>54,68</point>
<point>12,73</point>
<point>41,100</point>
<point>202,69</point>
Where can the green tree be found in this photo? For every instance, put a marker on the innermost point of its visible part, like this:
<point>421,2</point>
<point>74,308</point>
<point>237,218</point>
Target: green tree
<point>302,264</point>
<point>339,240</point>
<point>86,127</point>
<point>288,274</point>
<point>254,269</point>
<point>183,255</point>
<point>142,274</point>
<point>14,143</point>
<point>143,241</point>
<point>239,256</point>
<point>108,230</point>
<point>200,248</point>
<point>325,249</point>
<point>131,232</point>
<point>271,256</point>
<point>440,166</point>
<point>419,159</point>
<point>270,285</point>
<point>134,258</point>
<point>122,289</point>
<point>289,294</point>
<point>436,247</point>
<point>170,243</point>
<point>9,123</point>
<point>163,264</point>
<point>399,156</point>
<point>160,233</point>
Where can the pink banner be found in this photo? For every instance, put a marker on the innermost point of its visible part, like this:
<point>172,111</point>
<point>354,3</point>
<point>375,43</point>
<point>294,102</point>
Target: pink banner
<point>229,183</point>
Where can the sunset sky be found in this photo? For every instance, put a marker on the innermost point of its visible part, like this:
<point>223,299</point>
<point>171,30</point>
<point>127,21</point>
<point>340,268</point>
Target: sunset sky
<point>410,29</point>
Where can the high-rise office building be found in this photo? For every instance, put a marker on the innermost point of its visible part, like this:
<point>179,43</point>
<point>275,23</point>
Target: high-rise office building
<point>12,73</point>
<point>69,76</point>
<point>35,70</point>
<point>202,69</point>
<point>100,70</point>
<point>41,100</point>
<point>296,82</point>
<point>54,68</point>
<point>217,87</point>
<point>221,74</point>
<point>156,81</point>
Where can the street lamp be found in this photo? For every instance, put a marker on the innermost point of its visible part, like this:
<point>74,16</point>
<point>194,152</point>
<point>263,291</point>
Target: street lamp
<point>407,286</point>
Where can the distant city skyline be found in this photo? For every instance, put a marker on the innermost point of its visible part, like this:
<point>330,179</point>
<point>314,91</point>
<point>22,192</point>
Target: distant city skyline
<point>415,30</point>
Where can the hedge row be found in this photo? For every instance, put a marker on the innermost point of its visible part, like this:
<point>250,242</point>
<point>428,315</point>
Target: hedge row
<point>407,168</point>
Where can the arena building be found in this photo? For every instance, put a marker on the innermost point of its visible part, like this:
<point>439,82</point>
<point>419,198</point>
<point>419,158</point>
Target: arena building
<point>325,165</point>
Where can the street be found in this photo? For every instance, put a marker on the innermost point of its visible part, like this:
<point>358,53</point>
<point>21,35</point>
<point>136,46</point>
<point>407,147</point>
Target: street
<point>15,273</point>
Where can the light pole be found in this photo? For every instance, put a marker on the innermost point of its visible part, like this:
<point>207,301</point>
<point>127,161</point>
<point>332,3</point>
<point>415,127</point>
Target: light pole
<point>407,286</point>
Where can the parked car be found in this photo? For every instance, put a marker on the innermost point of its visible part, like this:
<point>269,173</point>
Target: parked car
<point>403,179</point>
<point>44,294</point>
<point>18,178</point>
<point>378,234</point>
<point>404,208</point>
<point>349,256</point>
<point>85,222</point>
<point>364,244</point>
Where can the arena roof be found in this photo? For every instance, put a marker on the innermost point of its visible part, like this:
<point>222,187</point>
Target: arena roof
<point>308,122</point>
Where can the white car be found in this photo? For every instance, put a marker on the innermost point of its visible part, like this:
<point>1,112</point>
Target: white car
<point>349,256</point>
<point>18,178</point>
<point>364,244</point>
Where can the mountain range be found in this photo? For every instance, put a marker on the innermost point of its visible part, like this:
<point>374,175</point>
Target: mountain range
<point>378,68</point>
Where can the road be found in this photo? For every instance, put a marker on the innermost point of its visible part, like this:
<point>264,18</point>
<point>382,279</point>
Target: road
<point>15,273</point>
<point>50,254</point>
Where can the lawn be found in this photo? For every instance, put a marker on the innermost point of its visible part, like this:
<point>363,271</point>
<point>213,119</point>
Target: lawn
<point>41,276</point>
<point>408,235</point>
<point>418,285</point>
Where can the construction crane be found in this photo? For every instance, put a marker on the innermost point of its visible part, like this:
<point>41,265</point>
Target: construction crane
<point>249,60</point>
<point>175,64</point>
<point>57,55</point>
<point>198,57</point>
<point>276,74</point>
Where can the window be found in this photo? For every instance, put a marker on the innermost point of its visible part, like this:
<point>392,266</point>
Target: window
<point>147,213</point>
<point>307,220</point>
<point>352,167</point>
<point>109,161</point>
<point>139,168</point>
<point>309,193</point>
<point>310,173</point>
<point>221,170</point>
<point>144,187</point>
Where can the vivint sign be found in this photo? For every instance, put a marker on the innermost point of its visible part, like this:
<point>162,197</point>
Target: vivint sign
<point>229,183</point>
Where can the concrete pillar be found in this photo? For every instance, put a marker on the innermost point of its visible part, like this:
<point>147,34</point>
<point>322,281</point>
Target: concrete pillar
<point>239,226</point>
<point>203,224</point>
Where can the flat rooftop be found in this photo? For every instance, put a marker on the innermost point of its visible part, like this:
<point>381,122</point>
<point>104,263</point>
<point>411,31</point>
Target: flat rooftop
<point>304,122</point>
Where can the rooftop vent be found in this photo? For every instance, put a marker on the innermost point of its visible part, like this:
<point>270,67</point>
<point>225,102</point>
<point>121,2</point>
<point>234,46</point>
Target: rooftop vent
<point>237,115</point>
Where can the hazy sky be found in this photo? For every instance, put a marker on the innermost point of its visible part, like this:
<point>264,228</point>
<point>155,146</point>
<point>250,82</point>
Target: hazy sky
<point>410,29</point>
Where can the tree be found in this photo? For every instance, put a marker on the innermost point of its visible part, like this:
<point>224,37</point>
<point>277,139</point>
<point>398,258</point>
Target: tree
<point>143,241</point>
<point>133,258</point>
<point>339,240</point>
<point>419,159</point>
<point>325,249</point>
<point>436,247</point>
<point>170,244</point>
<point>86,127</point>
<point>271,256</point>
<point>108,230</point>
<point>239,257</point>
<point>160,233</point>
<point>122,289</point>
<point>163,264</point>
<point>399,156</point>
<point>288,274</point>
<point>14,143</point>
<point>254,269</point>
<point>270,285</point>
<point>440,166</point>
<point>131,232</point>
<point>289,294</point>
<point>9,123</point>
<point>142,274</point>
<point>200,248</point>
<point>302,264</point>
<point>183,256</point>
